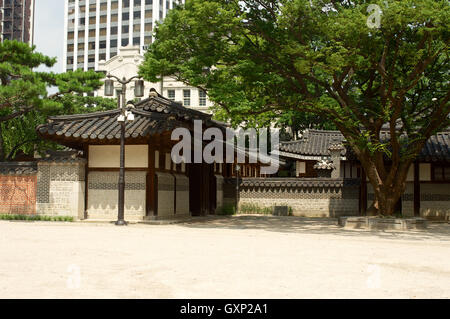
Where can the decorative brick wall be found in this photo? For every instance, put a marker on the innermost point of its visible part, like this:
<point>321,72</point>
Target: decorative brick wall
<point>306,197</point>
<point>60,188</point>
<point>103,195</point>
<point>18,194</point>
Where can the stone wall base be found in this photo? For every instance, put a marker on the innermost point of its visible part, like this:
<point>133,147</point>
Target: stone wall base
<point>371,223</point>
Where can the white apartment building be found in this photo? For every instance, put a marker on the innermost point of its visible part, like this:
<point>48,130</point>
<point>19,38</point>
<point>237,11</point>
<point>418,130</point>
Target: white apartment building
<point>96,29</point>
<point>113,35</point>
<point>126,64</point>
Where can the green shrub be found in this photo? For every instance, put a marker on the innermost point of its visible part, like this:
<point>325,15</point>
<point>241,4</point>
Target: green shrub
<point>37,218</point>
<point>227,210</point>
<point>258,210</point>
<point>291,211</point>
<point>255,209</point>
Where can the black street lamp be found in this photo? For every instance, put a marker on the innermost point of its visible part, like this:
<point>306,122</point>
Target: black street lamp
<point>238,170</point>
<point>124,117</point>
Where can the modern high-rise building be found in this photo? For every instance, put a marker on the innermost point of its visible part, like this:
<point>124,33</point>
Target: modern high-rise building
<point>17,20</point>
<point>95,30</point>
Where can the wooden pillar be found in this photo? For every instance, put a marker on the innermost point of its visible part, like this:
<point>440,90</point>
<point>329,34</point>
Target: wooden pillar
<point>416,189</point>
<point>363,191</point>
<point>86,183</point>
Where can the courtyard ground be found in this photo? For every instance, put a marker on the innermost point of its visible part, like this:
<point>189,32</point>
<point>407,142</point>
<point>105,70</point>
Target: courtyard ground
<point>239,257</point>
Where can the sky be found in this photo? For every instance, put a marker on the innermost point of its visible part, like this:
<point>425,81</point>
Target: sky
<point>49,30</point>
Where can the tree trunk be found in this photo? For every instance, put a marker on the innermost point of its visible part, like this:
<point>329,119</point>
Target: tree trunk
<point>2,145</point>
<point>388,201</point>
<point>386,196</point>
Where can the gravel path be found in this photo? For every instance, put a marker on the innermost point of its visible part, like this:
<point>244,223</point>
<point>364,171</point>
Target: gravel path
<point>240,257</point>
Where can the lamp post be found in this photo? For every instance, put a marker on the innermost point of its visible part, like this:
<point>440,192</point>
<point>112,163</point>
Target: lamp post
<point>124,117</point>
<point>238,169</point>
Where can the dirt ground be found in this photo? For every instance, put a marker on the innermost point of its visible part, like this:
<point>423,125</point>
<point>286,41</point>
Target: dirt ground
<point>240,257</point>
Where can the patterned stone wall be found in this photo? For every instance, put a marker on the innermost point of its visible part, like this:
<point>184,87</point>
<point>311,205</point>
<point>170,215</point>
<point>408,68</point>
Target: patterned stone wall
<point>60,188</point>
<point>103,195</point>
<point>18,194</point>
<point>166,195</point>
<point>435,200</point>
<point>408,200</point>
<point>306,198</point>
<point>182,195</point>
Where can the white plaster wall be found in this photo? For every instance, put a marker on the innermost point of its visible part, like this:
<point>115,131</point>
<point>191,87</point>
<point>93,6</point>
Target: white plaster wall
<point>425,172</point>
<point>410,176</point>
<point>108,156</point>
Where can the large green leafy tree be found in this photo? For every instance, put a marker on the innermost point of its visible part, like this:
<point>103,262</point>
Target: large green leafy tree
<point>25,101</point>
<point>342,60</point>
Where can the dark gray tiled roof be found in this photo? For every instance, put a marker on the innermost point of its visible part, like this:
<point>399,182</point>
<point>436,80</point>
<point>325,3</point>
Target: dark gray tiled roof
<point>294,182</point>
<point>18,168</point>
<point>154,115</point>
<point>316,143</point>
<point>313,143</point>
<point>67,155</point>
<point>165,106</point>
<point>103,126</point>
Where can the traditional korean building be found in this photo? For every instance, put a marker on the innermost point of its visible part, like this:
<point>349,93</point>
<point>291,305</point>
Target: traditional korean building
<point>324,154</point>
<point>156,188</point>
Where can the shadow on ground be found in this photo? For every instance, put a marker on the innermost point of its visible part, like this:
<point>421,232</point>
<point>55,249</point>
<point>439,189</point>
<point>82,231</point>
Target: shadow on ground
<point>436,231</point>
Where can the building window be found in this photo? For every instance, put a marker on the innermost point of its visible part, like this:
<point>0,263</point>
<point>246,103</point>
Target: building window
<point>171,95</point>
<point>441,172</point>
<point>187,97</point>
<point>301,168</point>
<point>202,98</point>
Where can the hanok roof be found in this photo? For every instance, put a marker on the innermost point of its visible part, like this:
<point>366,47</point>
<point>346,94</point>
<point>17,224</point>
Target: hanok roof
<point>315,144</point>
<point>18,168</point>
<point>153,116</point>
<point>162,105</point>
